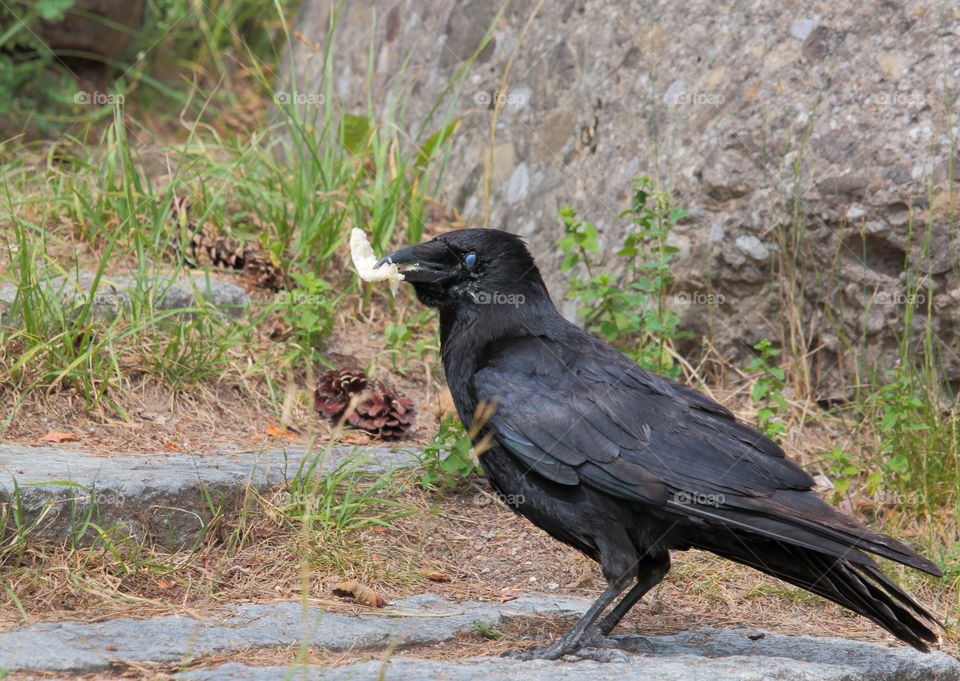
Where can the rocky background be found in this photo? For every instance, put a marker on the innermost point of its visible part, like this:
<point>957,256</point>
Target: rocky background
<point>815,145</point>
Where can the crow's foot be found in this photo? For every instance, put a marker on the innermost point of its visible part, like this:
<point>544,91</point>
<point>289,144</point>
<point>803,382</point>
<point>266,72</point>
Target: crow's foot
<point>592,645</point>
<point>554,651</point>
<point>604,655</point>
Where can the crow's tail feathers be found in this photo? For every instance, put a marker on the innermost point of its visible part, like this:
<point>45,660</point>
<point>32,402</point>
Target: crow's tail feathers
<point>855,583</point>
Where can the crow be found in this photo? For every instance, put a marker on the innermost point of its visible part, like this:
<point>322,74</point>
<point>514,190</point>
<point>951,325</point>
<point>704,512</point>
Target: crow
<point>625,465</point>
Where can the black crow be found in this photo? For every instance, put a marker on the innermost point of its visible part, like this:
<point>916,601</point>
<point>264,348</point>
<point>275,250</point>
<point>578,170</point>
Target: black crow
<point>625,465</point>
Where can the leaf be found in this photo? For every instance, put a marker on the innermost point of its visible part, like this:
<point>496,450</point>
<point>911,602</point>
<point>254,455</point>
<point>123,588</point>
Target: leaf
<point>353,132</point>
<point>355,438</point>
<point>438,576</point>
<point>165,584</point>
<point>450,464</point>
<point>759,391</point>
<point>434,141</point>
<point>360,593</point>
<point>54,436</point>
<point>280,431</point>
<point>52,10</point>
<point>899,463</point>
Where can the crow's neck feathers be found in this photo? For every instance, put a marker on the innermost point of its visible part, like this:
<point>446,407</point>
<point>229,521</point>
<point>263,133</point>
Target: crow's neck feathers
<point>466,329</point>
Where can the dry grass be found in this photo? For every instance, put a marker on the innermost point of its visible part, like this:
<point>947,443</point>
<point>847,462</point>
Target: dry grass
<point>486,550</point>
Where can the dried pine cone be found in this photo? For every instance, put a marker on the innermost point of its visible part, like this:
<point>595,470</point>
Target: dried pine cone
<point>348,396</point>
<point>261,271</point>
<point>208,247</point>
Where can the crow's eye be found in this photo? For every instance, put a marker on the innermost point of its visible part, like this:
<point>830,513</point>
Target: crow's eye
<point>470,260</point>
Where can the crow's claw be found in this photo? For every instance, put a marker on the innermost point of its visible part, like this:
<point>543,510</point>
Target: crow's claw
<point>605,655</point>
<point>593,645</point>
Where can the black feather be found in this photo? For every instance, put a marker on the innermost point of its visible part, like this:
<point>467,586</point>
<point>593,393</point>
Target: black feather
<point>625,465</point>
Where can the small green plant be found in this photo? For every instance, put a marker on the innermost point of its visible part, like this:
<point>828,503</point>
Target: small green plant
<point>768,390</point>
<point>28,79</point>
<point>447,461</point>
<point>345,499</point>
<point>844,471</point>
<point>918,440</point>
<point>902,423</point>
<point>399,335</point>
<point>486,630</point>
<point>310,309</point>
<point>628,312</point>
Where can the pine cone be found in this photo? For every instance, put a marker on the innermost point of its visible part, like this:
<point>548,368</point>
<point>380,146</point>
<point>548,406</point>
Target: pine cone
<point>333,394</point>
<point>208,247</point>
<point>347,396</point>
<point>260,270</point>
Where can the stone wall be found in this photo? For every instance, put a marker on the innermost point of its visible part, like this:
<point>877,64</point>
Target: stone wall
<point>811,142</point>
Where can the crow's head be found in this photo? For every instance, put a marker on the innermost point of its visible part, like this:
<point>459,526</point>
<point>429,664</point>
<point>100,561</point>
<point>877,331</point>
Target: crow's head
<point>471,267</point>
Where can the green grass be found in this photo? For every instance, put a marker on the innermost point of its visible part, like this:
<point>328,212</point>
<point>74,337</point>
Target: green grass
<point>293,184</point>
<point>92,190</point>
<point>316,519</point>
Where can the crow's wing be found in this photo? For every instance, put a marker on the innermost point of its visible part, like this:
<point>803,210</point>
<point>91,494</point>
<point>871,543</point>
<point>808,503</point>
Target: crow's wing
<point>579,412</point>
<point>569,412</point>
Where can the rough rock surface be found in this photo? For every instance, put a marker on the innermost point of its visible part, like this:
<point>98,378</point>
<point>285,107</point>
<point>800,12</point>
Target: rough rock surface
<point>115,293</point>
<point>811,142</point>
<point>163,498</point>
<point>704,654</point>
<point>104,28</point>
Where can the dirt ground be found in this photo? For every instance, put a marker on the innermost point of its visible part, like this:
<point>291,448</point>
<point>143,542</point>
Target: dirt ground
<point>461,545</point>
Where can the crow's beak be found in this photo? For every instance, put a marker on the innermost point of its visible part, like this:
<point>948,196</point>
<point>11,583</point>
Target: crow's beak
<point>414,266</point>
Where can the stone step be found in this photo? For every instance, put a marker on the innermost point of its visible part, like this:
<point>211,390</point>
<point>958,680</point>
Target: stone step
<point>164,498</point>
<point>166,291</point>
<point>704,654</point>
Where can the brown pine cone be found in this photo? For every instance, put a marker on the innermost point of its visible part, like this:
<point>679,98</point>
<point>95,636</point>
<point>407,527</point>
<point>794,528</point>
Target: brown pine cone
<point>347,396</point>
<point>260,270</point>
<point>207,246</point>
<point>335,390</point>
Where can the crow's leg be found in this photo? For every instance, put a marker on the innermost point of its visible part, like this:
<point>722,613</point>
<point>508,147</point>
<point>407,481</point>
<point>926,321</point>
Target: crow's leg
<point>650,572</point>
<point>573,639</point>
<point>596,644</point>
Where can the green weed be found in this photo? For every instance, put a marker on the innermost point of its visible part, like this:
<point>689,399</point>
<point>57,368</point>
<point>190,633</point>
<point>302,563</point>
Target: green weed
<point>345,499</point>
<point>447,462</point>
<point>630,311</point>
<point>767,391</point>
<point>294,185</point>
<point>486,631</point>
